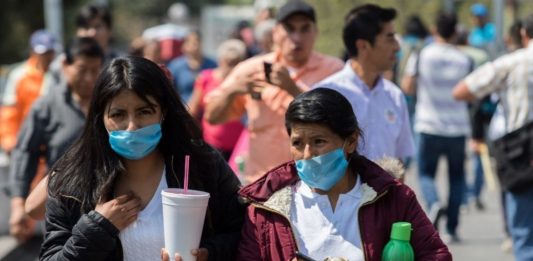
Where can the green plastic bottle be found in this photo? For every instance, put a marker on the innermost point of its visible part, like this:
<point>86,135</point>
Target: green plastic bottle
<point>239,161</point>
<point>399,248</point>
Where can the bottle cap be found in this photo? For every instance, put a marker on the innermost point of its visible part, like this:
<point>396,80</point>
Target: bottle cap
<point>401,231</point>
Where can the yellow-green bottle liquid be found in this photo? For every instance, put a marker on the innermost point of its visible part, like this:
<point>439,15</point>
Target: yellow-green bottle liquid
<point>399,248</point>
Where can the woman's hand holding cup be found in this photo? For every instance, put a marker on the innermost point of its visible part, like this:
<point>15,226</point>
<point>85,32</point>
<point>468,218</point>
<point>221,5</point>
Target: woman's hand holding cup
<point>201,254</point>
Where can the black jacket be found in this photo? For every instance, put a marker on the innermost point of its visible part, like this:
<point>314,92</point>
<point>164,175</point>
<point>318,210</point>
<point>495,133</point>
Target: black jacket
<point>71,235</point>
<point>481,112</point>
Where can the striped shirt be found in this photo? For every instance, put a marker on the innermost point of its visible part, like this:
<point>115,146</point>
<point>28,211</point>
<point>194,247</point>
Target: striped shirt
<point>512,76</point>
<point>438,69</point>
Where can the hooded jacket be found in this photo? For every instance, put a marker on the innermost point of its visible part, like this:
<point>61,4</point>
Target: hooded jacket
<point>267,233</point>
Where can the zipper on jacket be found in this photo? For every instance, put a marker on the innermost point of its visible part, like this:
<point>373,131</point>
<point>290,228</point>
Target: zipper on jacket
<point>261,206</point>
<point>359,220</point>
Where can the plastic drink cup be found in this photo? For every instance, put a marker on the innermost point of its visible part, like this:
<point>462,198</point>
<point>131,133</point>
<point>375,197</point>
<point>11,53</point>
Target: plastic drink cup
<point>183,220</point>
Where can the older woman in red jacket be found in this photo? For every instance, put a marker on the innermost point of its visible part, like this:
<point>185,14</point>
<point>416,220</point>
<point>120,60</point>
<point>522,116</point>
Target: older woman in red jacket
<point>330,201</point>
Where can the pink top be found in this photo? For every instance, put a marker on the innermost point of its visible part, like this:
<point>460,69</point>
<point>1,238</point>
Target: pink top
<point>268,140</point>
<point>221,136</point>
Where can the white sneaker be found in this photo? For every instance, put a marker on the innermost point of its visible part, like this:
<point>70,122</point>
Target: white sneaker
<point>464,209</point>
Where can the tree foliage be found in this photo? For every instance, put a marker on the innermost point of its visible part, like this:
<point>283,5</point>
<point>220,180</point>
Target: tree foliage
<point>16,26</point>
<point>18,19</point>
<point>330,15</point>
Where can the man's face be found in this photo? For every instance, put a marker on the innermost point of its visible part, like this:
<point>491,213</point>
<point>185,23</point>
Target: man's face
<point>479,20</point>
<point>46,59</point>
<point>81,75</point>
<point>296,38</point>
<point>383,53</point>
<point>152,52</point>
<point>98,30</point>
<point>191,45</point>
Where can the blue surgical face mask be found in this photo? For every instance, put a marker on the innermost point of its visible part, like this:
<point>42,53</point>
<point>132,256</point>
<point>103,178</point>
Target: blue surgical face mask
<point>323,171</point>
<point>135,144</point>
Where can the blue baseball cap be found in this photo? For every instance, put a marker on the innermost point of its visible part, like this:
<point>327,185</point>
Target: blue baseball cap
<point>479,9</point>
<point>42,41</point>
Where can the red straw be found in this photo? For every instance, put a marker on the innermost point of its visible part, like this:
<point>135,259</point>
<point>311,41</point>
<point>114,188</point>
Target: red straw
<point>186,179</point>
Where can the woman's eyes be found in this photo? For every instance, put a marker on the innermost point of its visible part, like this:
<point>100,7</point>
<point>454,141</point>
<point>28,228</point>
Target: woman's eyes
<point>116,114</point>
<point>147,112</point>
<point>320,141</point>
<point>122,114</point>
<point>317,142</point>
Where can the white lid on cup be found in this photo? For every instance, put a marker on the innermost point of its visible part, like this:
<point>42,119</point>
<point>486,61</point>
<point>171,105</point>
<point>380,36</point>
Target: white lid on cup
<point>177,197</point>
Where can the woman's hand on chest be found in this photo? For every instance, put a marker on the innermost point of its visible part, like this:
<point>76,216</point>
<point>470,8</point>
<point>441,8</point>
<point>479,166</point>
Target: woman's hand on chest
<point>120,211</point>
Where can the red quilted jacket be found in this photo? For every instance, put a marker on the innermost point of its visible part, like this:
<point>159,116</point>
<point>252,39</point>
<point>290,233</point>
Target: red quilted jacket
<point>267,233</point>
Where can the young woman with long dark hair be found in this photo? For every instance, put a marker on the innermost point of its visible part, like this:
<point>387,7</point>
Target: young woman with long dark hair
<point>105,192</point>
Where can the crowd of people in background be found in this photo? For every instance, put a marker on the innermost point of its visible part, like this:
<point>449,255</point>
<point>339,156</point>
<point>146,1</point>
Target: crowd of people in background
<point>257,114</point>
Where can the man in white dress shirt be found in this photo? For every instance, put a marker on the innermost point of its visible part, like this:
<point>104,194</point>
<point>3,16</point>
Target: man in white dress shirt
<point>379,104</point>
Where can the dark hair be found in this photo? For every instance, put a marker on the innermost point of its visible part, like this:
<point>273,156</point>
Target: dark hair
<point>323,106</point>
<point>89,12</point>
<point>462,37</point>
<point>88,170</point>
<point>415,27</point>
<point>515,34</point>
<point>446,25</point>
<point>83,46</point>
<point>364,22</point>
<point>528,25</point>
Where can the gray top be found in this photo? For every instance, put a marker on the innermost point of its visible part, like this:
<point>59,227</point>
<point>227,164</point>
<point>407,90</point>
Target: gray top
<point>54,122</point>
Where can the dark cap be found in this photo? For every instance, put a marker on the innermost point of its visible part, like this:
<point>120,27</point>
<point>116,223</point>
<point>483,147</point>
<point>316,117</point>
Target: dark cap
<point>296,7</point>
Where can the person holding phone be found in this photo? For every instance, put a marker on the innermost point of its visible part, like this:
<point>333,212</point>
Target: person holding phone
<point>267,67</point>
<point>264,97</point>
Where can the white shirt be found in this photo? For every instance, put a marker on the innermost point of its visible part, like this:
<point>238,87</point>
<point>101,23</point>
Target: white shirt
<point>144,238</point>
<point>322,233</point>
<point>512,76</point>
<point>381,112</point>
<point>438,69</point>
